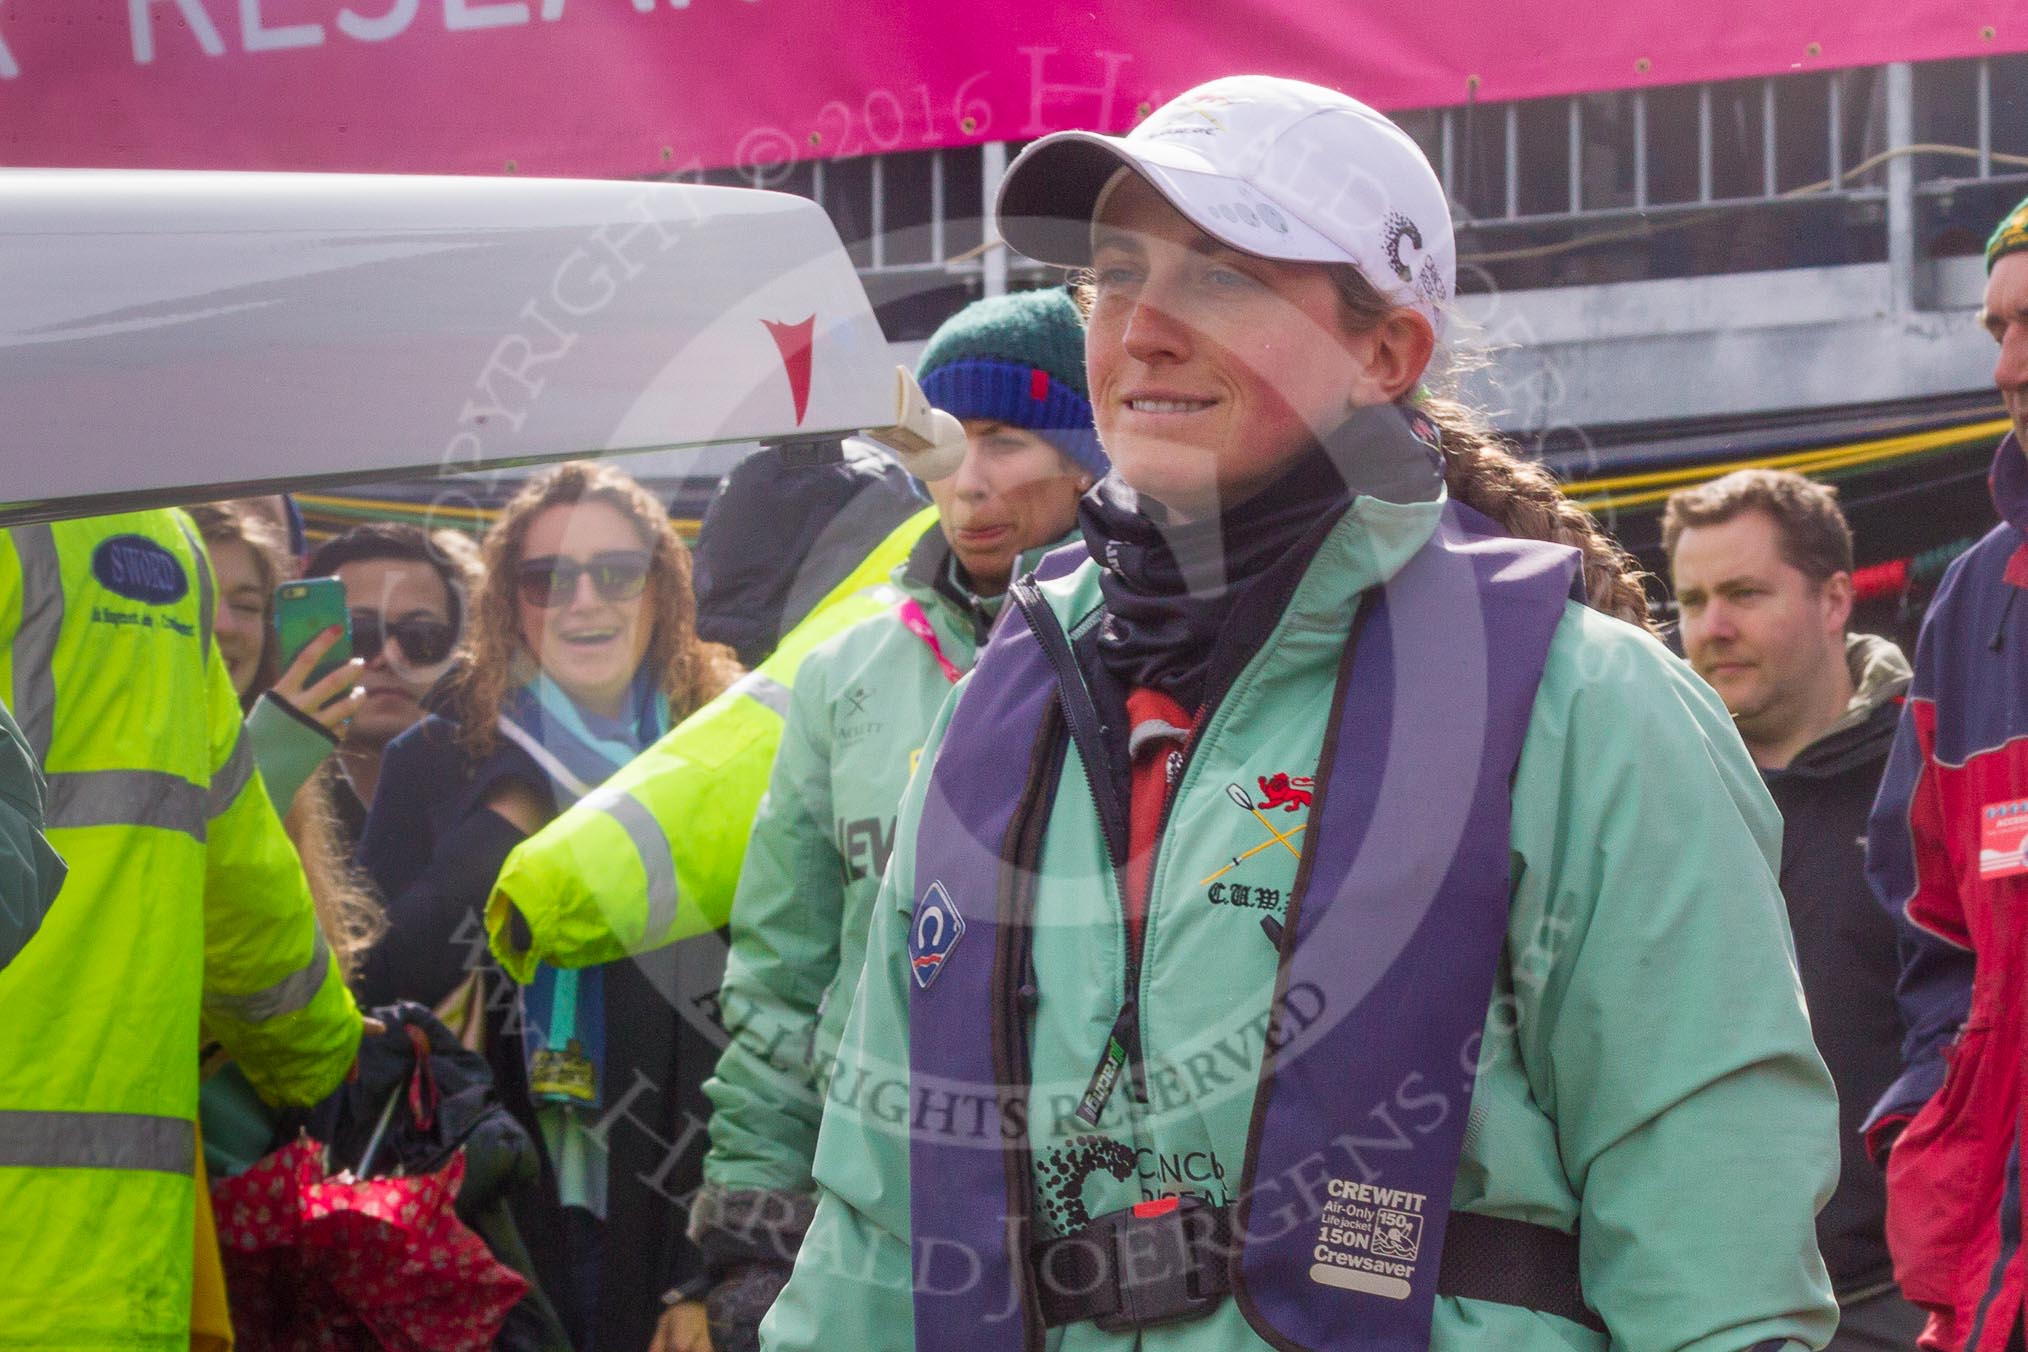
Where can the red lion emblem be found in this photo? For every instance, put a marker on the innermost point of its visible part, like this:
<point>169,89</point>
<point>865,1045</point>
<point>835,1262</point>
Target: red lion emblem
<point>1285,793</point>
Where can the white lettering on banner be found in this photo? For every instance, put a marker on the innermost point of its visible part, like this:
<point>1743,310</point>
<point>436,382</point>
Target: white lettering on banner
<point>392,24</point>
<point>1041,91</point>
<point>464,14</point>
<point>140,19</point>
<point>1368,1239</point>
<point>552,10</point>
<point>256,34</point>
<point>254,37</point>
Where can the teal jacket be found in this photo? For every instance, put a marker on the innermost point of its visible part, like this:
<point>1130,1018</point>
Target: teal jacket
<point>1646,1071</point>
<point>288,746</point>
<point>864,703</point>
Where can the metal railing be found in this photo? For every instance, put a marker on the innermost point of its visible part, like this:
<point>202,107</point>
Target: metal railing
<point>1886,153</point>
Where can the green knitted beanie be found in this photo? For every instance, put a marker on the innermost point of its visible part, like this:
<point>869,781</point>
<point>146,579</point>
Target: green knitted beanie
<point>1040,329</point>
<point>2010,236</point>
<point>1017,359</point>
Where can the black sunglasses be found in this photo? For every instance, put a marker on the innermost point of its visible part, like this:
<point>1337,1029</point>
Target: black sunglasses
<point>551,579</point>
<point>424,641</point>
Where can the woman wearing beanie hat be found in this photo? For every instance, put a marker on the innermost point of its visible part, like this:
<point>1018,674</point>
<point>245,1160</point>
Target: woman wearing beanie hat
<point>1315,926</point>
<point>1012,370</point>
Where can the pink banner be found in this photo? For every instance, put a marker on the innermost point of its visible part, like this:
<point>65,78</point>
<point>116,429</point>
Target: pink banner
<point>617,88</point>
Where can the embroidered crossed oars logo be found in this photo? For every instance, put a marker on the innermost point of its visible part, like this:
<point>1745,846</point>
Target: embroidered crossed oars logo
<point>1245,800</point>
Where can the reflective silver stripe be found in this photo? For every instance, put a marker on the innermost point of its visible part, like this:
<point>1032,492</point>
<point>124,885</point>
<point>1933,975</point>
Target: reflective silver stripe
<point>658,860</point>
<point>34,693</point>
<point>764,689</point>
<point>38,1140</point>
<point>543,757</point>
<point>201,566</point>
<point>286,996</point>
<point>128,798</point>
<point>231,777</point>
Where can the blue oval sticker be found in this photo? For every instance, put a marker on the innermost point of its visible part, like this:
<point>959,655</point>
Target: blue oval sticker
<point>140,569</point>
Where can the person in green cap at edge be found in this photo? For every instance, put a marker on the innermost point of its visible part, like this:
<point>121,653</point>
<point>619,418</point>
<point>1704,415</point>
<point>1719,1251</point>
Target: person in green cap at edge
<point>30,871</point>
<point>1944,849</point>
<point>1327,918</point>
<point>1011,369</point>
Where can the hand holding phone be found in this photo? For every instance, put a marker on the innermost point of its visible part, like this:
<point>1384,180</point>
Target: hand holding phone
<point>304,610</point>
<point>331,700</point>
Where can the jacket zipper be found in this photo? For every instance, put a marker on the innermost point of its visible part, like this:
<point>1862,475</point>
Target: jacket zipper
<point>1123,1042</point>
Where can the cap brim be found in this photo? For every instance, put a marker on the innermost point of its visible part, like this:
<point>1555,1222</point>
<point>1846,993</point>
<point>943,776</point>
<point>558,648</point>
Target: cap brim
<point>1051,192</point>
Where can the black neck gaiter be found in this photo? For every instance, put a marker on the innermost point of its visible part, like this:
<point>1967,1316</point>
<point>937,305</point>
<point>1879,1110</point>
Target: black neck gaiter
<point>1182,596</point>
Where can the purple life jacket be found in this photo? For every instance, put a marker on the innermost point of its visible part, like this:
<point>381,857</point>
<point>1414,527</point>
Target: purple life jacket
<point>1334,1249</point>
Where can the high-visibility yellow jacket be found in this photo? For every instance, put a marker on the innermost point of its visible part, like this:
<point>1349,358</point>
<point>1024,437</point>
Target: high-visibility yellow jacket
<point>185,906</point>
<point>652,855</point>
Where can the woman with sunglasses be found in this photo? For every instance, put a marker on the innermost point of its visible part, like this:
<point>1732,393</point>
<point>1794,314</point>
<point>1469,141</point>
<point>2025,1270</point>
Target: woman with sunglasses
<point>406,584</point>
<point>1316,925</point>
<point>583,651</point>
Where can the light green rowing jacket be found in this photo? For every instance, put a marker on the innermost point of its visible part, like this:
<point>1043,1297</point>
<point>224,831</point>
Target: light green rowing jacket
<point>1646,1074</point>
<point>864,703</point>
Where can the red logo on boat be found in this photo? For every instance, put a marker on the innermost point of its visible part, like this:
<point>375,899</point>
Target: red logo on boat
<point>793,340</point>
<point>1285,793</point>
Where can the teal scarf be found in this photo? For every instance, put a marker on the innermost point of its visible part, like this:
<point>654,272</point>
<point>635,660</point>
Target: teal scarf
<point>563,1010</point>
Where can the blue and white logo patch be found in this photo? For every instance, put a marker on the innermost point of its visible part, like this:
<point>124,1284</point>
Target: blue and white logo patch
<point>933,934</point>
<point>140,570</point>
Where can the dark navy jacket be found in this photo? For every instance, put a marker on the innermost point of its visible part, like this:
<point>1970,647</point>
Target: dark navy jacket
<point>1952,1120</point>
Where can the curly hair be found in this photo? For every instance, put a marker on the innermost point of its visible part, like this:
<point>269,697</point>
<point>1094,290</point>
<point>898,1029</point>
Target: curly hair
<point>1482,470</point>
<point>691,671</point>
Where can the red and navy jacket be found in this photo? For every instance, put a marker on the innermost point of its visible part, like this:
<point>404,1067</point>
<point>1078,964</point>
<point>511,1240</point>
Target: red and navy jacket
<point>1949,1128</point>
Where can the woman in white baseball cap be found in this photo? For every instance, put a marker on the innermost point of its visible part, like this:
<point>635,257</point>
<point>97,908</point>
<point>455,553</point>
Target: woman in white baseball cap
<point>1313,925</point>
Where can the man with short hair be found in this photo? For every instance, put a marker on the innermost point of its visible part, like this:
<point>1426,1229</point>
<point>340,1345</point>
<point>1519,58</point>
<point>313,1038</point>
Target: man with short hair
<point>1761,561</point>
<point>405,589</point>
<point>1946,850</point>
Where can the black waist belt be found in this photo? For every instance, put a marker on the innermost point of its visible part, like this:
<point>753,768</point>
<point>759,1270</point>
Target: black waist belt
<point>1168,1260</point>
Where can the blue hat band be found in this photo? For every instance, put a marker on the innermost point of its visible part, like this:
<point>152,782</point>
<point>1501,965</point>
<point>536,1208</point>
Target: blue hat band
<point>1005,391</point>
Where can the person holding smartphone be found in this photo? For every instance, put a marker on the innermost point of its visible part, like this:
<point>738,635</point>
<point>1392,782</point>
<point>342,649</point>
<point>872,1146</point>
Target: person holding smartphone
<point>584,650</point>
<point>404,593</point>
<point>293,718</point>
<point>295,712</point>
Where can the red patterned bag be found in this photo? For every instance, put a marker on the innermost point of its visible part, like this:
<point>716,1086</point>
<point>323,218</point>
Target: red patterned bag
<point>316,1262</point>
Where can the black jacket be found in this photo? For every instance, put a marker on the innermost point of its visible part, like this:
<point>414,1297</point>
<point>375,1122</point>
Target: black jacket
<point>1847,946</point>
<point>778,536</point>
<point>502,1164</point>
<point>433,848</point>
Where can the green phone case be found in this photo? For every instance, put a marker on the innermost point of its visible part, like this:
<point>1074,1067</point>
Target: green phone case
<point>305,609</point>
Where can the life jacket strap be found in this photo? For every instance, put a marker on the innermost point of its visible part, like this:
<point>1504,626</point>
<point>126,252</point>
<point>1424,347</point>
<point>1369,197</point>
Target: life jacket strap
<point>1156,1262</point>
<point>1168,1260</point>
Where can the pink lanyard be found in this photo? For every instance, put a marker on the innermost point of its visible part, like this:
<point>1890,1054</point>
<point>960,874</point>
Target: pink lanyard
<point>919,625</point>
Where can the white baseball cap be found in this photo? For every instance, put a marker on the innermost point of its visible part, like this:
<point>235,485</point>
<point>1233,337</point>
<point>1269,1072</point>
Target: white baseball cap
<point>1272,167</point>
